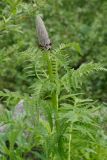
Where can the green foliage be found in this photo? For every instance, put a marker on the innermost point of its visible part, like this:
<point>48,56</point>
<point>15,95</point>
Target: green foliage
<point>57,121</point>
<point>61,121</point>
<point>82,22</point>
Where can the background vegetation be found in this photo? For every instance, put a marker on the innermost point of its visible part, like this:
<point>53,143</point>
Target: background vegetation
<point>69,92</point>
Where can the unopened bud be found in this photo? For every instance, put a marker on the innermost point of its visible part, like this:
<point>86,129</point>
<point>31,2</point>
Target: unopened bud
<point>42,34</point>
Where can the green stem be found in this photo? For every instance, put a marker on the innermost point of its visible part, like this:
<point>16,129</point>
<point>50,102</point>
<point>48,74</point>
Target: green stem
<point>47,58</point>
<point>69,151</point>
<point>54,97</point>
